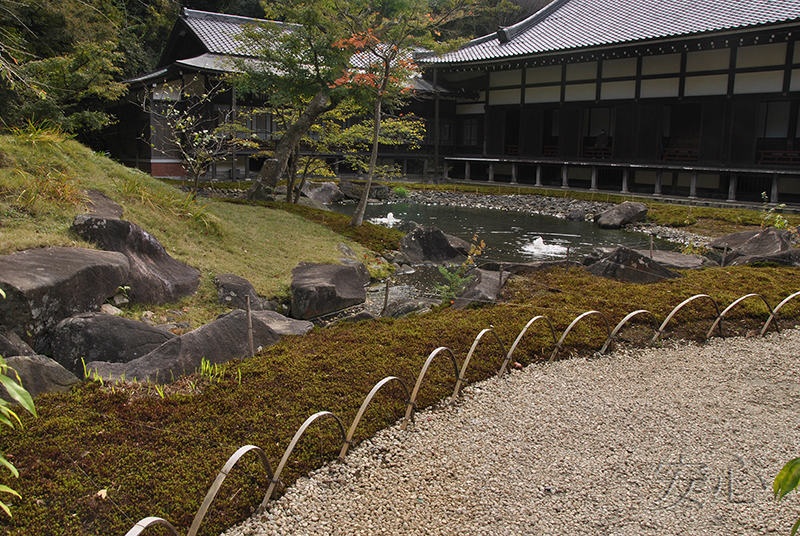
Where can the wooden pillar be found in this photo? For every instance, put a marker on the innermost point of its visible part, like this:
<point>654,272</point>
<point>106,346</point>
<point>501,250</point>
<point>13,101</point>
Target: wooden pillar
<point>657,187</point>
<point>425,170</point>
<point>693,186</point>
<point>625,177</point>
<point>773,196</point>
<point>732,187</point>
<point>564,176</point>
<point>336,169</point>
<point>594,179</point>
<point>491,171</point>
<point>466,170</point>
<point>233,118</point>
<point>445,173</point>
<point>405,167</point>
<point>538,175</point>
<point>514,173</point>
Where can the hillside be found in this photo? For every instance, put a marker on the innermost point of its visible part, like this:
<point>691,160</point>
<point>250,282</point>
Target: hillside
<point>43,179</point>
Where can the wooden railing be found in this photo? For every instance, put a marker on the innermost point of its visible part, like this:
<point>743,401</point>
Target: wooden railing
<point>675,153</point>
<point>779,157</point>
<point>596,152</point>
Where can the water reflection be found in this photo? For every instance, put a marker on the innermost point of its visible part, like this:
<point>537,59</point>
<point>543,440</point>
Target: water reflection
<point>509,236</point>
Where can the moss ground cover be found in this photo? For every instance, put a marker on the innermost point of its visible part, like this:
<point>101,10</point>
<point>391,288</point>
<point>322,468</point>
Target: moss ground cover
<point>155,456</point>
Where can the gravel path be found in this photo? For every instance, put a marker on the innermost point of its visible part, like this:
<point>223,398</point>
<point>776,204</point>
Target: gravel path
<point>680,440</point>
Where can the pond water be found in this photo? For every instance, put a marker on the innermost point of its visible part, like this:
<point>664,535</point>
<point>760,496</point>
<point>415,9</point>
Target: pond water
<point>509,236</point>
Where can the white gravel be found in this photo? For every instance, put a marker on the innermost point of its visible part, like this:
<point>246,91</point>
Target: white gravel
<point>685,439</point>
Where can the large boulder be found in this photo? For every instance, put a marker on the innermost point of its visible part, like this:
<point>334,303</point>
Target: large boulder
<point>624,264</point>
<point>44,286</point>
<point>354,190</point>
<point>155,277</point>
<point>621,215</point>
<point>430,244</point>
<point>319,289</point>
<point>218,342</point>
<point>483,288</point>
<point>101,206</point>
<point>325,192</point>
<point>783,258</point>
<point>39,374</point>
<point>233,292</point>
<point>674,260</point>
<point>283,325</point>
<point>11,344</point>
<point>409,306</point>
<point>101,337</point>
<point>312,203</point>
<point>750,247</point>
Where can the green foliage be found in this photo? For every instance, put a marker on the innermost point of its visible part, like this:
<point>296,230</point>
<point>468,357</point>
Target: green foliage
<point>458,278</point>
<point>209,372</point>
<point>785,482</point>
<point>400,191</point>
<point>8,416</point>
<point>769,216</point>
<point>186,132</point>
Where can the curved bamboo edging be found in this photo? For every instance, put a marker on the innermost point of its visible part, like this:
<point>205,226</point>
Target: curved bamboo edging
<point>574,322</point>
<point>775,312</point>
<point>736,302</point>
<point>412,402</point>
<point>149,522</point>
<point>624,321</point>
<point>461,378</point>
<point>273,483</point>
<point>351,432</point>
<point>274,478</point>
<point>519,338</point>
<point>212,492</point>
<point>679,307</point>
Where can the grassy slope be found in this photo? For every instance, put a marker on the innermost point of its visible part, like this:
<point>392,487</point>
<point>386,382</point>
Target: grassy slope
<point>157,457</point>
<point>41,187</point>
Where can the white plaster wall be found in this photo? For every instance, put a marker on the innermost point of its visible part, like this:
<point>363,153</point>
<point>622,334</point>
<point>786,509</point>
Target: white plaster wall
<point>766,82</point>
<point>504,96</point>
<point>619,68</point>
<point>668,63</point>
<point>618,90</point>
<point>542,75</point>
<point>666,87</point>
<point>761,55</point>
<point>466,109</point>
<point>582,71</point>
<point>580,92</point>
<point>543,94</point>
<point>708,60</point>
<point>706,85</point>
<point>505,78</point>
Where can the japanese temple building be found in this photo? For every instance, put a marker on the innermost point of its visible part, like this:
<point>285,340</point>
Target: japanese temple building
<point>694,98</point>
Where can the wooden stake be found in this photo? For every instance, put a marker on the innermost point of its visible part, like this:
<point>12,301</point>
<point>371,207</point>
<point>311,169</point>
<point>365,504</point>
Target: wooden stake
<point>250,329</point>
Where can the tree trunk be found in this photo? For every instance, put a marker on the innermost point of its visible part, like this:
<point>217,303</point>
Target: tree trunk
<point>358,216</point>
<point>274,167</point>
<point>292,173</point>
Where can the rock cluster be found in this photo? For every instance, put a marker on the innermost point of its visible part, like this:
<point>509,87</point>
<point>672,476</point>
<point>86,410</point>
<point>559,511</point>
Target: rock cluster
<point>53,296</point>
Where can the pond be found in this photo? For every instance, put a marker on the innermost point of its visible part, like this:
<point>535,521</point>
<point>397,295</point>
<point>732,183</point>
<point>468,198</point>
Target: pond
<point>509,236</point>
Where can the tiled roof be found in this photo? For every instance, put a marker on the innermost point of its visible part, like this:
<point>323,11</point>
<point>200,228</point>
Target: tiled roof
<point>219,32</point>
<point>572,24</point>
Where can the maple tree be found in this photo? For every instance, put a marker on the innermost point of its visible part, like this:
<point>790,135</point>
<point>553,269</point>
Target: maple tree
<point>384,39</point>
